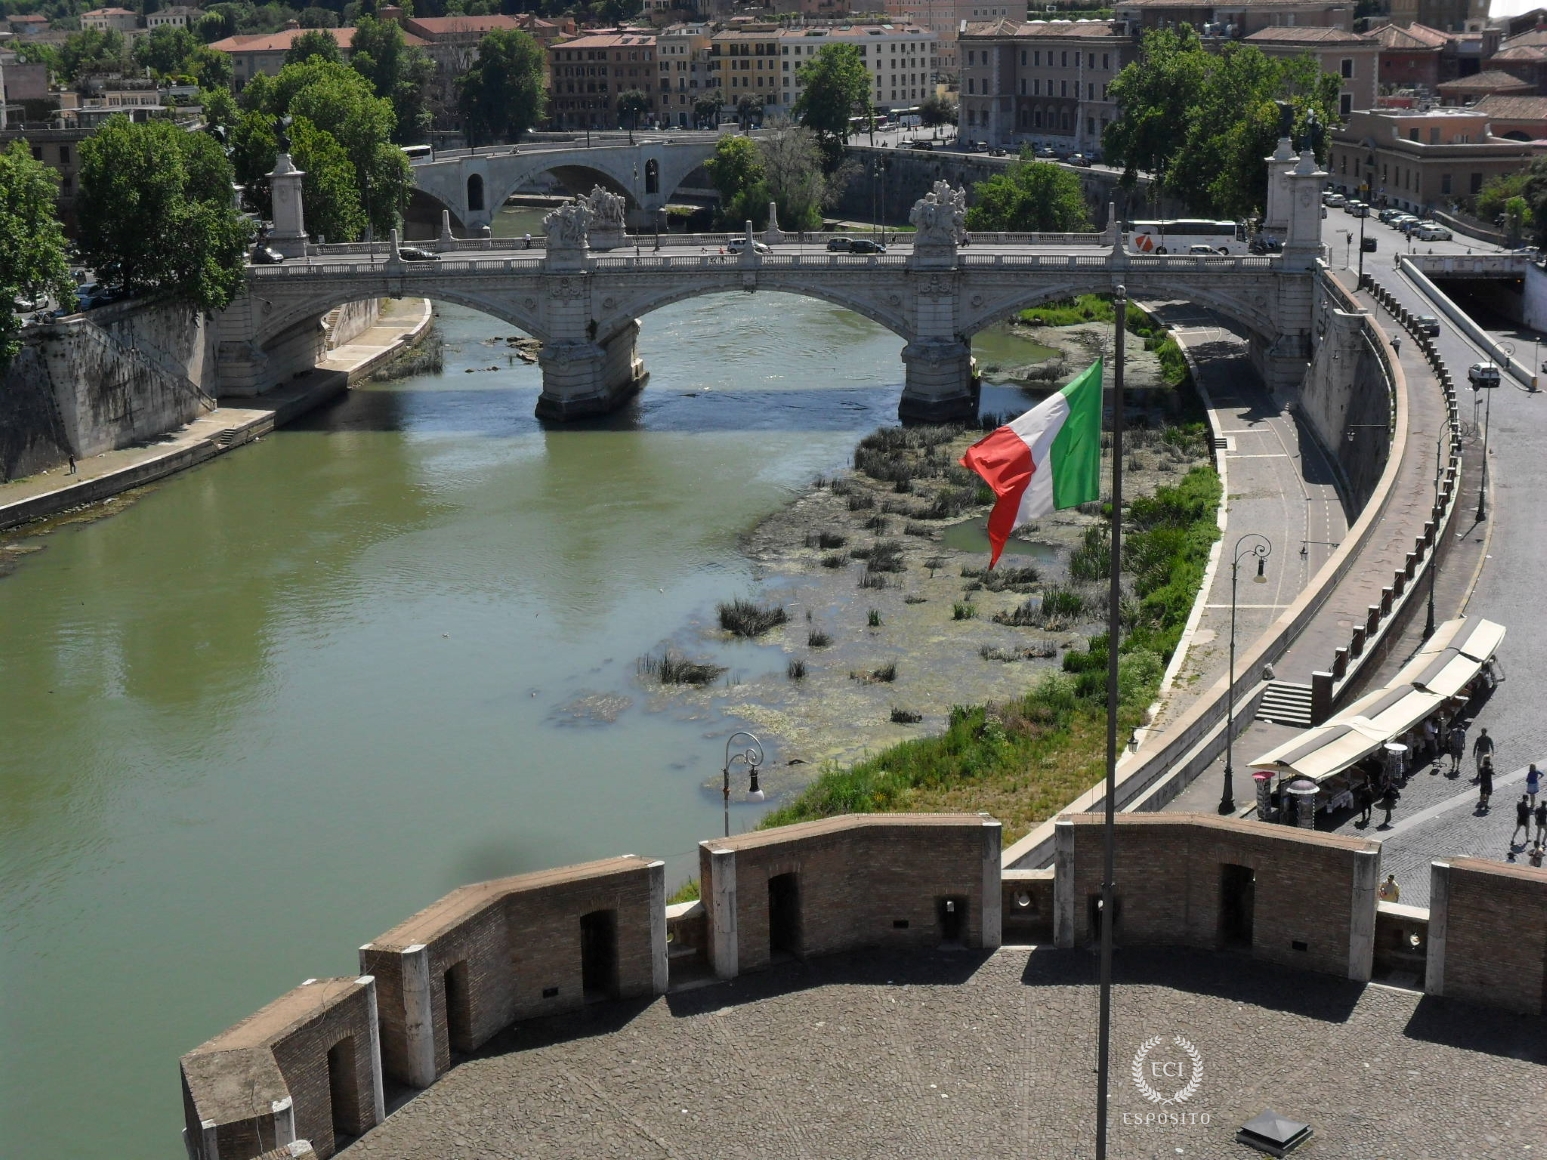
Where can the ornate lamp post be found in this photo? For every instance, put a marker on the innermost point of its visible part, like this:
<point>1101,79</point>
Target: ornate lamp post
<point>1261,548</point>
<point>752,757</point>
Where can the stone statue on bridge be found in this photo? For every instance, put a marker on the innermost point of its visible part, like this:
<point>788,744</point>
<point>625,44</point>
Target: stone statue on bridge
<point>940,216</point>
<point>606,218</point>
<point>568,226</point>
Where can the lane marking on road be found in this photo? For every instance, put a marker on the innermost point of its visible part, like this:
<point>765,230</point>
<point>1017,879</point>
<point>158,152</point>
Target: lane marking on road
<point>1434,811</point>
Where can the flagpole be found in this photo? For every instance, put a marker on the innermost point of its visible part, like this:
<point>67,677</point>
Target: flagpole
<point>1114,592</point>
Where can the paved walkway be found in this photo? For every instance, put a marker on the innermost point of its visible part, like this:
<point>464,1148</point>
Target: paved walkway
<point>956,1054</point>
<point>99,476</point>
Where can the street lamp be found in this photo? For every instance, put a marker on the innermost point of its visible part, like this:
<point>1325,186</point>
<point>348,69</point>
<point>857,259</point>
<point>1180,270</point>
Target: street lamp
<point>751,757</point>
<point>1261,549</point>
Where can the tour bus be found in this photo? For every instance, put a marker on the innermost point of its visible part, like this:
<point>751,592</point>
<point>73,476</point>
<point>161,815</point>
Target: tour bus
<point>419,153</point>
<point>1180,235</point>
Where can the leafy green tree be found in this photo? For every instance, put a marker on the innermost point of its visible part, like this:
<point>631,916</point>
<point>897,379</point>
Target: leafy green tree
<point>749,111</point>
<point>156,213</point>
<point>1517,219</point>
<point>736,169</point>
<point>503,94</point>
<point>397,71</point>
<point>837,87</point>
<point>706,110</point>
<point>163,50</point>
<point>794,179</point>
<point>1201,122</point>
<point>219,107</point>
<point>318,18</point>
<point>333,207</point>
<point>1030,196</point>
<point>631,103</point>
<point>210,69</point>
<point>1499,189</point>
<point>316,43</point>
<point>88,53</point>
<point>31,52</point>
<point>936,111</point>
<point>32,260</point>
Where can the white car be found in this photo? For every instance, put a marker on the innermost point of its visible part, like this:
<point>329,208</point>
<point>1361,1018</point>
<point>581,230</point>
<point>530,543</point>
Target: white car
<point>1433,233</point>
<point>736,245</point>
<point>1334,200</point>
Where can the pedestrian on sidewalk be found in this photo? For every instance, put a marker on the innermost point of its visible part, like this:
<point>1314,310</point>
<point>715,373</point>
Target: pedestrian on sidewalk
<point>1482,749</point>
<point>1457,746</point>
<point>1541,821</point>
<point>1533,783</point>
<point>1431,743</point>
<point>1484,782</point>
<point>1389,890</point>
<point>1364,799</point>
<point>72,465</point>
<point>1388,802</point>
<point>1522,819</point>
<point>1396,344</point>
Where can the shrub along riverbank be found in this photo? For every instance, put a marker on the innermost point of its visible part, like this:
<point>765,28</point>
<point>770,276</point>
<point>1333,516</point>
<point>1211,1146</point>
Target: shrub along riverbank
<point>1025,759</point>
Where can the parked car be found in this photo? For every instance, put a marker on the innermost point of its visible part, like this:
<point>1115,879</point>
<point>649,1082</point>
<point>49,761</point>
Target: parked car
<point>1047,153</point>
<point>1335,200</point>
<point>998,153</point>
<point>866,246</point>
<point>1429,232</point>
<point>1367,244</point>
<point>415,254</point>
<point>1387,214</point>
<point>1427,324</point>
<point>840,244</point>
<point>737,245</point>
<point>926,146</point>
<point>1482,376</point>
<point>266,256</point>
<point>1078,159</point>
<point>980,146</point>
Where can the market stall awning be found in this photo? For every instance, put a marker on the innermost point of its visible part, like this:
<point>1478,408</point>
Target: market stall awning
<point>1321,752</point>
<point>1392,710</point>
<point>1478,638</point>
<point>1445,673</point>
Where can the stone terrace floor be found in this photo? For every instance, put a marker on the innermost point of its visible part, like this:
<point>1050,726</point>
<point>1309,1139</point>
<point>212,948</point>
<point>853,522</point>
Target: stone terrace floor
<point>962,1055</point>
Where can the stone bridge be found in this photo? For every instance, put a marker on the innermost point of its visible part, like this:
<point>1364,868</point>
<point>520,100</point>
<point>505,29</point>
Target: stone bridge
<point>582,293</point>
<point>473,184</point>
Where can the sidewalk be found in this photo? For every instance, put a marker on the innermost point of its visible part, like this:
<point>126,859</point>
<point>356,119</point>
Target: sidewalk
<point>100,476</point>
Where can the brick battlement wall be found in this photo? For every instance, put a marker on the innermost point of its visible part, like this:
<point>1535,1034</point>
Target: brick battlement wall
<point>312,1064</point>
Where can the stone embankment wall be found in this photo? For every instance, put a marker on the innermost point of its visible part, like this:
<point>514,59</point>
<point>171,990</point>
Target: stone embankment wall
<point>94,382</point>
<point>312,1063</point>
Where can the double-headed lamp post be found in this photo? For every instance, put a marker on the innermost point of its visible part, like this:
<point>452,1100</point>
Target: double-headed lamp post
<point>751,756</point>
<point>1250,545</point>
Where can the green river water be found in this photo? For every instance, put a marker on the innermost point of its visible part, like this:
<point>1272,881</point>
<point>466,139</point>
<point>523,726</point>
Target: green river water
<point>281,701</point>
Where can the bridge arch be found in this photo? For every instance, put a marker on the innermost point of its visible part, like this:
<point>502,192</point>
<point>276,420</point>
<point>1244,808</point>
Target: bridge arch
<point>275,326</point>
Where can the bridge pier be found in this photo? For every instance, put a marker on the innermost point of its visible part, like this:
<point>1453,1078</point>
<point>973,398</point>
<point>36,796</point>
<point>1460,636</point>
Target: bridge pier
<point>582,378</point>
<point>941,382</point>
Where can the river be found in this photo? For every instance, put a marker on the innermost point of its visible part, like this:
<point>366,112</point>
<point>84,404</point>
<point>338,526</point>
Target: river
<point>281,701</point>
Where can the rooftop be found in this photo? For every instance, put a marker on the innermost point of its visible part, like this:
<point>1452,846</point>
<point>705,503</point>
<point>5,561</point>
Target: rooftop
<point>1492,81</point>
<point>1510,108</point>
<point>608,40</point>
<point>1310,35</point>
<point>1414,38</point>
<point>1049,28</point>
<point>281,41</point>
<point>962,1054</point>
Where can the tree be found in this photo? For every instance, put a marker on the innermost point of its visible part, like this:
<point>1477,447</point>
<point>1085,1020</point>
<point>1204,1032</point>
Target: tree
<point>836,88</point>
<point>1201,122</point>
<point>318,18</point>
<point>503,94</point>
<point>316,43</point>
<point>706,110</point>
<point>163,50</point>
<point>156,212</point>
<point>397,71</point>
<point>794,179</point>
<point>219,107</point>
<point>632,102</point>
<point>210,69</point>
<point>1031,196</point>
<point>737,172</point>
<point>1517,218</point>
<point>936,111</point>
<point>332,202</point>
<point>91,52</point>
<point>32,260</point>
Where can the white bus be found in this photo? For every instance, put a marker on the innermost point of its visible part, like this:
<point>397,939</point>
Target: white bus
<point>1180,235</point>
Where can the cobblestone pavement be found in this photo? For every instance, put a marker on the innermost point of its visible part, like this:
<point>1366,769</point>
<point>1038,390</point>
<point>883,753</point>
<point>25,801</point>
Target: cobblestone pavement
<point>958,1055</point>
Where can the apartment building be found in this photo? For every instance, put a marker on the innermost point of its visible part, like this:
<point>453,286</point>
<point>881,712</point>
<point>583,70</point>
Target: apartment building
<point>1420,160</point>
<point>1234,19</point>
<point>744,61</point>
<point>682,59</point>
<point>265,52</point>
<point>946,19</point>
<point>1352,58</point>
<point>452,44</point>
<point>180,16</point>
<point>110,20</point>
<point>903,61</point>
<point>1045,82</point>
<point>589,72</point>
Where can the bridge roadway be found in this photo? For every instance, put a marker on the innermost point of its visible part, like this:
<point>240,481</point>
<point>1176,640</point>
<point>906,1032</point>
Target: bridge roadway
<point>584,304</point>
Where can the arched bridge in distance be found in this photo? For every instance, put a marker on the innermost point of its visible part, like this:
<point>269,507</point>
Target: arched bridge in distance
<point>583,289</point>
<point>473,183</point>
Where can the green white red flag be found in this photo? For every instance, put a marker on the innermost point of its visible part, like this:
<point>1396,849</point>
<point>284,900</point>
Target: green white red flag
<point>1047,460</point>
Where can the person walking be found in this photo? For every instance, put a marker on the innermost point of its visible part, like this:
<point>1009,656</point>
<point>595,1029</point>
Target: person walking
<point>1457,745</point>
<point>1431,744</point>
<point>1484,782</point>
<point>1389,890</point>
<point>1482,749</point>
<point>1364,799</point>
<point>1522,819</point>
<point>1533,783</point>
<point>1541,822</point>
<point>1388,802</point>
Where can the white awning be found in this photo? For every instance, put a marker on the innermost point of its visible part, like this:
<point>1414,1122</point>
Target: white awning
<point>1392,710</point>
<point>1319,753</point>
<point>1445,673</point>
<point>1478,638</point>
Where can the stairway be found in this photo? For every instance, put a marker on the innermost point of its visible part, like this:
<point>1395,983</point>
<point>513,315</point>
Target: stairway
<point>1286,703</point>
<point>226,438</point>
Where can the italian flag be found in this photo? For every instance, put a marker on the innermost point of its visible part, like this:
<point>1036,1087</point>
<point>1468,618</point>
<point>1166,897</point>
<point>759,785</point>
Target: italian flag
<point>1047,460</point>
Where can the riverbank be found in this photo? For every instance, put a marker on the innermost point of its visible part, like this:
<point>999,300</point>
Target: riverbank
<point>100,477</point>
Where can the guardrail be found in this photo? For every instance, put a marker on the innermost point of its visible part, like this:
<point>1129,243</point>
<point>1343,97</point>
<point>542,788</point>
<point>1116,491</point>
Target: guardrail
<point>1463,322</point>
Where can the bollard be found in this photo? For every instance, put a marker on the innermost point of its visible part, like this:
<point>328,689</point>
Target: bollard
<point>1356,642</point>
<point>1398,581</point>
<point>1385,603</point>
<point>1264,781</point>
<point>1321,697</point>
<point>1410,566</point>
<point>1339,664</point>
<point>1372,621</point>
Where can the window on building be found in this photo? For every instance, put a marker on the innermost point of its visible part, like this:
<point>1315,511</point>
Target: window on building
<point>1090,125</point>
<point>1023,86</point>
<point>1445,183</point>
<point>1063,88</point>
<point>1434,136</point>
<point>1347,67</point>
<point>1345,104</point>
<point>1477,184</point>
<point>1065,60</point>
<point>1412,134</point>
<point>1105,65</point>
<point>1023,56</point>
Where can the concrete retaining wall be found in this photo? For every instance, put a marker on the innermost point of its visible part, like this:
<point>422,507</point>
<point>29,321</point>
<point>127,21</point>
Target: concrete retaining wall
<point>1488,934</point>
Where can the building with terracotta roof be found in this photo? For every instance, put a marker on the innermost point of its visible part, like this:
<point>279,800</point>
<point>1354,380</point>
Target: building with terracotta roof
<point>110,20</point>
<point>947,18</point>
<point>588,73</point>
<point>1042,82</point>
<point>451,42</point>
<point>1515,118</point>
<point>1467,90</point>
<point>1409,57</point>
<point>1352,58</point>
<point>903,61</point>
<point>1420,160</point>
<point>1446,15</point>
<point>265,52</point>
<point>1234,21</point>
<point>179,16</point>
<point>1525,58</point>
<point>29,25</point>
